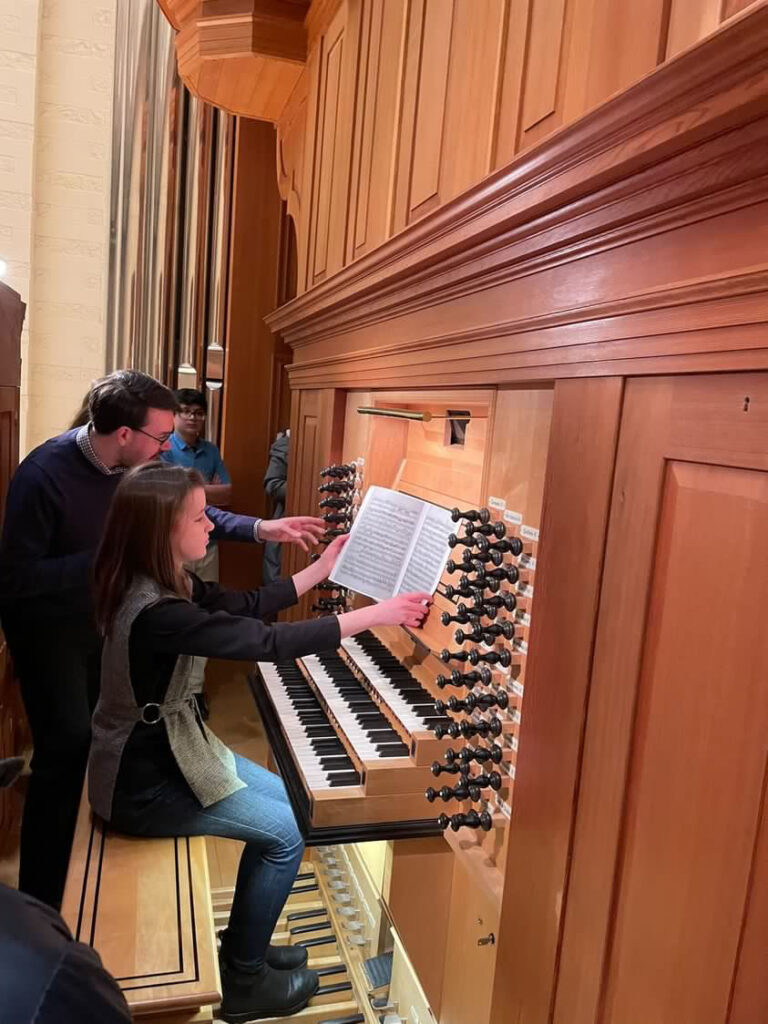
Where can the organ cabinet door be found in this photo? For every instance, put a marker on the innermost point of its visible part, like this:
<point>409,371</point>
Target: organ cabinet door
<point>666,915</point>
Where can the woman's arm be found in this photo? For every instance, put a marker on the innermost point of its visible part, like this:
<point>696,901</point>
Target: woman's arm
<point>268,600</point>
<point>181,627</point>
<point>320,570</point>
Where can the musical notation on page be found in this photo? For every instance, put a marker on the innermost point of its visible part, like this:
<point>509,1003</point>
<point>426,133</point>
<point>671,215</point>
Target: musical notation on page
<point>398,544</point>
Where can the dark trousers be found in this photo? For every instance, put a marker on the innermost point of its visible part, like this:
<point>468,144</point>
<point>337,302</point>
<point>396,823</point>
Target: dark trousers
<point>58,666</point>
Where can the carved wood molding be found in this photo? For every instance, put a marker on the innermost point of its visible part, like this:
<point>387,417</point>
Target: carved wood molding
<point>684,145</point>
<point>242,55</point>
<point>712,323</point>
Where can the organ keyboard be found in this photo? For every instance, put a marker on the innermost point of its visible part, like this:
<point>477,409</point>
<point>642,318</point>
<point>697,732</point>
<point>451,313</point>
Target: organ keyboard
<point>350,731</point>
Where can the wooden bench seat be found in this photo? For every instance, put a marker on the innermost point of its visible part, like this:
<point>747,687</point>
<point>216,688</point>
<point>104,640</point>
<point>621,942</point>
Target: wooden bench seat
<point>144,905</point>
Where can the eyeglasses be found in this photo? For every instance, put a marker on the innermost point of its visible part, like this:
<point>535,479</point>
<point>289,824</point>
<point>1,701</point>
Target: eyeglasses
<point>196,413</point>
<point>161,439</point>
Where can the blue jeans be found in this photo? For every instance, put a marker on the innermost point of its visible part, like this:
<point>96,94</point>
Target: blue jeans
<point>261,817</point>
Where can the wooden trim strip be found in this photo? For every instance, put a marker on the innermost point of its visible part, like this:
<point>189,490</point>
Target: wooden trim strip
<point>707,290</point>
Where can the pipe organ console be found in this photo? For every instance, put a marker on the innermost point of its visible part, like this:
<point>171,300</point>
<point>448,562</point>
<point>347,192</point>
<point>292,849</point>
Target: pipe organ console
<point>414,734</point>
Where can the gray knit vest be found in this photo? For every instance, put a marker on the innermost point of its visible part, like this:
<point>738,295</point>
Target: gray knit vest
<point>206,764</point>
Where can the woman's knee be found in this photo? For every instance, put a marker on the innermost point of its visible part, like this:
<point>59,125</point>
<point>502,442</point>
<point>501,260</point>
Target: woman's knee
<point>286,843</point>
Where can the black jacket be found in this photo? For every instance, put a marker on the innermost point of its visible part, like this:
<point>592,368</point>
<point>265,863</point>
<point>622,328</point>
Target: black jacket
<point>277,473</point>
<point>45,976</point>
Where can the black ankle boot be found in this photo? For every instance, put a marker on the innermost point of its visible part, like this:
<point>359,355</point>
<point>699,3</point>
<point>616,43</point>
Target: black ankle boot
<point>286,958</point>
<point>264,993</point>
<point>282,958</point>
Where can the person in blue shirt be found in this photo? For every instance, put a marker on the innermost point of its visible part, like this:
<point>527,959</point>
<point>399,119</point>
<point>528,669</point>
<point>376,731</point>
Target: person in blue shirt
<point>188,448</point>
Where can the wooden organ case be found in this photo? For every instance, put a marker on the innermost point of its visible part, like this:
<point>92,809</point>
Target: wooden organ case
<point>595,315</point>
<point>587,328</point>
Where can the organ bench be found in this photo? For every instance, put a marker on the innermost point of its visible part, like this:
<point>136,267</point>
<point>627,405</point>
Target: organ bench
<point>145,906</point>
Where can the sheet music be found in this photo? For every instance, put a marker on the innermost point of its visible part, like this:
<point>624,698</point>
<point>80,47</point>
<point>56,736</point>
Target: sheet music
<point>397,544</point>
<point>430,552</point>
<point>379,541</point>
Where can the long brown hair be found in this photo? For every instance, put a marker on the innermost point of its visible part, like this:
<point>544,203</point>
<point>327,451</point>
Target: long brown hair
<point>137,536</point>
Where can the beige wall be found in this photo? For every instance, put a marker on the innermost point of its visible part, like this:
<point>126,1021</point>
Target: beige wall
<point>18,59</point>
<point>55,172</point>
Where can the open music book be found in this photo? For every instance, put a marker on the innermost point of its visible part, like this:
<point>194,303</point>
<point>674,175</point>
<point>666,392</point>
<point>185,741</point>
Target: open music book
<point>398,544</point>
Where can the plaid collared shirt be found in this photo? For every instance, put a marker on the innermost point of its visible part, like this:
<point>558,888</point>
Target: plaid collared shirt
<point>83,438</point>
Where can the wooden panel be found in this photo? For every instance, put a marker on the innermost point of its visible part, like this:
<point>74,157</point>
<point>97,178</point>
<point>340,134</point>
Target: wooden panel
<point>420,904</point>
<point>697,775</point>
<point>510,84</point>
<point>750,992</point>
<point>543,58</point>
<point>577,492</point>
<point>433,464</point>
<point>332,142</point>
<point>690,21</point>
<point>426,155</point>
<point>425,87</point>
<point>518,454</point>
<point>469,963</point>
<point>254,356</point>
<point>476,65</point>
<point>610,47</point>
<point>291,135</point>
<point>703,420</point>
<point>377,118</point>
<point>317,426</point>
<point>11,319</point>
<point>328,119</point>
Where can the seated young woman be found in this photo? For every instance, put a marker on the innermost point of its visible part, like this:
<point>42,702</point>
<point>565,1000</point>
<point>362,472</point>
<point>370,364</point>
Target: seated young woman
<point>155,768</point>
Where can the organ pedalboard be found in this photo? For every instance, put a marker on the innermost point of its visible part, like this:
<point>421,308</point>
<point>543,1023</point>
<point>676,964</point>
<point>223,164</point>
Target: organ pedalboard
<point>363,734</point>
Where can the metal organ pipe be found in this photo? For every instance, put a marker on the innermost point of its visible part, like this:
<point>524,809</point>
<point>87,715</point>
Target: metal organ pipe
<point>223,156</point>
<point>196,219</point>
<point>146,106</point>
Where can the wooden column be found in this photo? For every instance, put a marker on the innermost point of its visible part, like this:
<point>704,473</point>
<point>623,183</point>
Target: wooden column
<point>579,478</point>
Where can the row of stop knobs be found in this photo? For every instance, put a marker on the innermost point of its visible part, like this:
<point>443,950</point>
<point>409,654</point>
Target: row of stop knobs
<point>337,504</point>
<point>483,576</point>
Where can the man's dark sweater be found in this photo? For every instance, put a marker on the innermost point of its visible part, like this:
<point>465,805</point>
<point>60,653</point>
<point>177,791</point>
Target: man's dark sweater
<point>54,518</point>
<point>45,976</point>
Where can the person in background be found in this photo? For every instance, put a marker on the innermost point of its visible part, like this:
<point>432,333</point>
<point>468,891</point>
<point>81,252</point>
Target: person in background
<point>154,768</point>
<point>55,512</point>
<point>189,448</point>
<point>275,481</point>
<point>45,976</point>
<point>83,415</point>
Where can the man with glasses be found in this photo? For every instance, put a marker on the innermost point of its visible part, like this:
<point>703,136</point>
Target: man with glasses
<point>189,448</point>
<point>55,513</point>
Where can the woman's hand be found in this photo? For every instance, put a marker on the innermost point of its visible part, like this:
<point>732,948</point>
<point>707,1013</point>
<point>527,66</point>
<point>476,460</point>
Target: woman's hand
<point>330,556</point>
<point>318,571</point>
<point>404,610</point>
